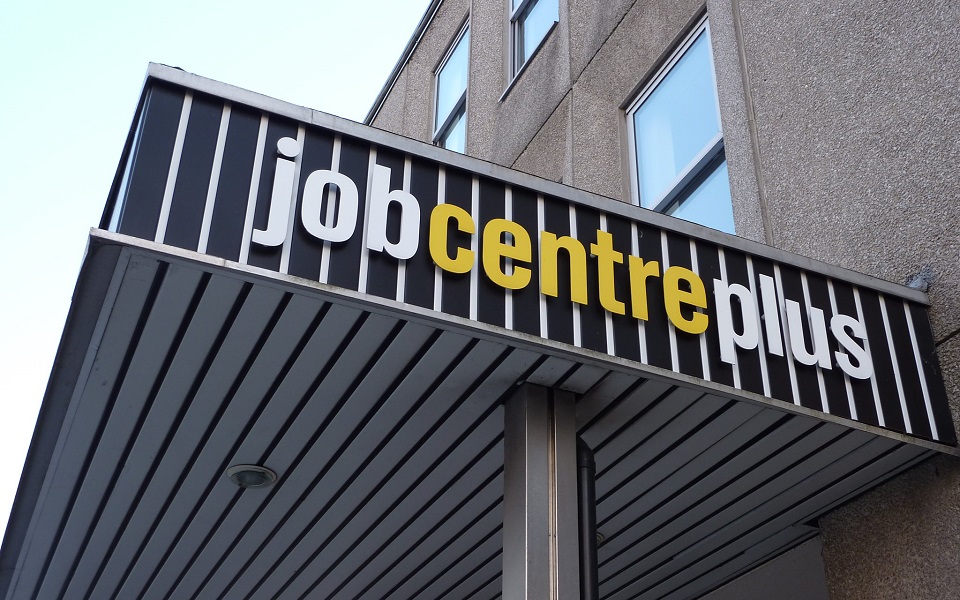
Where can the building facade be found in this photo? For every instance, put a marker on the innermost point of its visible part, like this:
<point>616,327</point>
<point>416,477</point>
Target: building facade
<point>824,129</point>
<point>310,358</point>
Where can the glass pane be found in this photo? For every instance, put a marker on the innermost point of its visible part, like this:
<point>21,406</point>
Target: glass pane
<point>535,24</point>
<point>452,80</point>
<point>676,122</point>
<point>710,203</point>
<point>455,138</point>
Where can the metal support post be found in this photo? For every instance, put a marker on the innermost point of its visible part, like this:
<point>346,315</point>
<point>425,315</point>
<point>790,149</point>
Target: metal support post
<point>586,486</point>
<point>540,520</point>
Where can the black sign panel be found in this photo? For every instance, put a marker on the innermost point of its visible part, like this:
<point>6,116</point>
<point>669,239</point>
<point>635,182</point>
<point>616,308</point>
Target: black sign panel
<point>224,172</point>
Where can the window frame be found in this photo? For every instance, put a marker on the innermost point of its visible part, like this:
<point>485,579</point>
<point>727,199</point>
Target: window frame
<point>703,164</point>
<point>517,17</point>
<point>459,109</point>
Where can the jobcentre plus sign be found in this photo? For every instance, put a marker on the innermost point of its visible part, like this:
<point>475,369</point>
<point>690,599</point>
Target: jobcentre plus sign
<point>508,252</point>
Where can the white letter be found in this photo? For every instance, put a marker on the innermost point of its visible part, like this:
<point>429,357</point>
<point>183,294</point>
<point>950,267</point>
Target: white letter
<point>748,311</point>
<point>771,315</point>
<point>380,199</point>
<point>818,331</point>
<point>281,197</point>
<point>346,207</point>
<point>839,325</point>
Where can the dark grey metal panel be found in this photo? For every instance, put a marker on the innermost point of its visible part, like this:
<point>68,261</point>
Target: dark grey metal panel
<point>238,346</point>
<point>188,514</point>
<point>723,567</point>
<point>387,434</point>
<point>926,351</point>
<point>74,453</point>
<point>348,445</point>
<point>149,161</point>
<point>255,397</point>
<point>490,591</point>
<point>473,500</point>
<point>196,170</point>
<point>241,518</point>
<point>212,315</point>
<point>643,438</point>
<point>605,412</point>
<point>306,251</point>
<point>131,398</point>
<point>233,184</point>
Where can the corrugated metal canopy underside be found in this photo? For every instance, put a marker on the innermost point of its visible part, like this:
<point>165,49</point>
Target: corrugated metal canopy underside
<point>387,432</point>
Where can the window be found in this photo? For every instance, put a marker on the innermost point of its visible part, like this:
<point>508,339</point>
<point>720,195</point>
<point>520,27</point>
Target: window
<point>530,22</point>
<point>676,145</point>
<point>450,106</point>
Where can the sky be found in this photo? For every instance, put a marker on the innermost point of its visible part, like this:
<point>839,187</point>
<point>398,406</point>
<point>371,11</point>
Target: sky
<point>70,77</point>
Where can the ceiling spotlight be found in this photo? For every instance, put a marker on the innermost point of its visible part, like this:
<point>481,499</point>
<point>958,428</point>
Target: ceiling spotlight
<point>251,476</point>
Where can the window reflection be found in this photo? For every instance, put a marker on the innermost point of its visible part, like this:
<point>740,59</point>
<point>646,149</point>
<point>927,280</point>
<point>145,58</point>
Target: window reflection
<point>709,204</point>
<point>530,23</point>
<point>676,122</point>
<point>677,140</point>
<point>451,96</point>
<point>535,25</point>
<point>456,138</point>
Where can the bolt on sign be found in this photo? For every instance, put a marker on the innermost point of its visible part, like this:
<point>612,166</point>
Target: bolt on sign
<point>225,172</point>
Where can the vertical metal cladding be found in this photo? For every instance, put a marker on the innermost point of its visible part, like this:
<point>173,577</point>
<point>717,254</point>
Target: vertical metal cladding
<point>202,176</point>
<point>152,155</point>
<point>526,301</point>
<point>491,299</point>
<point>626,332</point>
<point>225,229</point>
<point>305,250</point>
<point>455,288</point>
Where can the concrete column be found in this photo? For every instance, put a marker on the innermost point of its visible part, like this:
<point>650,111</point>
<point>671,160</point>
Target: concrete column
<point>540,531</point>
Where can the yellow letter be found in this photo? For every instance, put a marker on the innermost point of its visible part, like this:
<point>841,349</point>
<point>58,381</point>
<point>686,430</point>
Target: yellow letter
<point>606,257</point>
<point>550,244</point>
<point>439,221</point>
<point>494,248</point>
<point>673,297</point>
<point>639,271</point>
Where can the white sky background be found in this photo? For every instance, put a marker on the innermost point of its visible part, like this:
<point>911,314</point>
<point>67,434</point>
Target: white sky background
<point>70,77</point>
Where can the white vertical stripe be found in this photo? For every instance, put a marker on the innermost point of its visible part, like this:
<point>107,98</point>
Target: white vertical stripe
<point>402,264</point>
<point>873,377</point>
<point>820,384</point>
<point>641,330</point>
<point>607,315</point>
<point>896,364</point>
<point>364,253</point>
<point>671,330</point>
<point>174,169</point>
<point>254,189</point>
<point>508,262</point>
<point>846,378</point>
<point>544,329</point>
<point>761,346</point>
<point>475,246</point>
<point>923,377</point>
<point>787,350</point>
<point>293,213</point>
<point>723,277</point>
<point>437,271</point>
<point>704,354</point>
<point>577,326</point>
<point>214,179</point>
<point>331,213</point>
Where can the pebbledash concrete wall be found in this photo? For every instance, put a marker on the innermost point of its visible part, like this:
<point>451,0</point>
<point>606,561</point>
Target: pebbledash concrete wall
<point>841,124</point>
